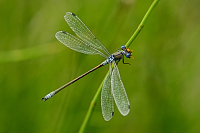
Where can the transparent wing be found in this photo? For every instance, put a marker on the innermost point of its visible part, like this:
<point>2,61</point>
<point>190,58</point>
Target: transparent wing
<point>107,102</point>
<point>119,92</point>
<point>82,31</point>
<point>76,44</point>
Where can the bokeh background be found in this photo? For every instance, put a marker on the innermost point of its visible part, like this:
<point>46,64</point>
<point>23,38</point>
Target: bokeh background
<point>162,82</point>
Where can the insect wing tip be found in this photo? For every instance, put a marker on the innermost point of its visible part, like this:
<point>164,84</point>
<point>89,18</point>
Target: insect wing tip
<point>125,113</point>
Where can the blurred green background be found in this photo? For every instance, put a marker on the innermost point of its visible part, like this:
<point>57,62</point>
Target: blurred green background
<point>162,81</point>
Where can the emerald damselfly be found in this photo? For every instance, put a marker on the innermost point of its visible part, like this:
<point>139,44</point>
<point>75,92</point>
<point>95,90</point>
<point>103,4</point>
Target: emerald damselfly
<point>113,89</point>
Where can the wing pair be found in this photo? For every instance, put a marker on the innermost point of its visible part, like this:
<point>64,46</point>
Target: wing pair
<point>87,44</point>
<point>113,90</point>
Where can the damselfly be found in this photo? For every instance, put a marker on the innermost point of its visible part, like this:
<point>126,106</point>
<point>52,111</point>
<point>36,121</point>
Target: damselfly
<point>113,88</point>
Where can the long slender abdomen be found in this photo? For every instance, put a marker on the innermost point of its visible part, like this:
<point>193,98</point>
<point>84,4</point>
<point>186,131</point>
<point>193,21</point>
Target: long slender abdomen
<point>51,94</point>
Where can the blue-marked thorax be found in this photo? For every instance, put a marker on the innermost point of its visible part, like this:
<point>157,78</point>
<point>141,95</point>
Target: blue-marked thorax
<point>117,56</point>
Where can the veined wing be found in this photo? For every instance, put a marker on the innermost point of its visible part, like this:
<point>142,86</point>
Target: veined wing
<point>82,31</point>
<point>76,44</point>
<point>119,92</point>
<point>107,102</point>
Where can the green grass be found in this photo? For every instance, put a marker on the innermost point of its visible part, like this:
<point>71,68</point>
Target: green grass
<point>162,81</point>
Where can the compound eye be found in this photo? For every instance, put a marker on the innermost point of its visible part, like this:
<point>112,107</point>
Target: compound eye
<point>128,55</point>
<point>122,47</point>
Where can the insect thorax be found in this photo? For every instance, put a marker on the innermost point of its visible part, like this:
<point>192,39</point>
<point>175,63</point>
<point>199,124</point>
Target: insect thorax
<point>117,56</point>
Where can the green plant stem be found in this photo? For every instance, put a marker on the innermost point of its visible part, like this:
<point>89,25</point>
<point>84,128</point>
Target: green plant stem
<point>94,100</point>
<point>141,25</point>
<point>91,108</point>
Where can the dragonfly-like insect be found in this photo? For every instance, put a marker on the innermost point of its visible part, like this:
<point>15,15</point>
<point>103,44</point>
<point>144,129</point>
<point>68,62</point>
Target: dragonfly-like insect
<point>113,88</point>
